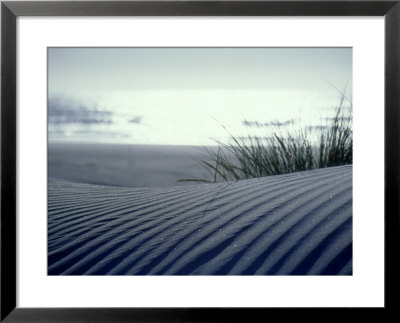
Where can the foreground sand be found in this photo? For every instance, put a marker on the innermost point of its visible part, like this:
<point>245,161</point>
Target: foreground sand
<point>293,224</point>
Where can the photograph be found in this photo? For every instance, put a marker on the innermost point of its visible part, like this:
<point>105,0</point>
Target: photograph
<point>192,161</point>
<point>199,161</point>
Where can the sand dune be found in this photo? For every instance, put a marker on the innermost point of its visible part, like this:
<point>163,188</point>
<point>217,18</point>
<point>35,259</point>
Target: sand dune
<point>293,224</point>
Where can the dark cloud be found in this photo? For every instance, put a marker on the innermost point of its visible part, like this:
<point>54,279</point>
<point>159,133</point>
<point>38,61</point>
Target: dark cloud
<point>136,119</point>
<point>268,124</point>
<point>66,111</point>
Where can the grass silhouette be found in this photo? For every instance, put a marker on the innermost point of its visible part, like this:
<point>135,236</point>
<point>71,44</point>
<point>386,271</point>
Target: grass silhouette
<point>252,156</point>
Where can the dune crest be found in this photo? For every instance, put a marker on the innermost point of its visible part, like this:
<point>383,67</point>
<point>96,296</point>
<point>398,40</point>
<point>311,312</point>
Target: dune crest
<point>294,224</point>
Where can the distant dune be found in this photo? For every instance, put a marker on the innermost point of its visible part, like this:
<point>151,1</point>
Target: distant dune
<point>295,224</point>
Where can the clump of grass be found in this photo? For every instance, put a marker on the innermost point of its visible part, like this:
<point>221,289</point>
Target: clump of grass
<point>252,156</point>
<point>336,142</point>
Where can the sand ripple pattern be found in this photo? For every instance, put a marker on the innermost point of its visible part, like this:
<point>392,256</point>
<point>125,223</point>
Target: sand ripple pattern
<point>295,224</point>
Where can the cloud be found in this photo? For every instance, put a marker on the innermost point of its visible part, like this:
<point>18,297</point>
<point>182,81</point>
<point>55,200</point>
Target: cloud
<point>67,111</point>
<point>268,124</point>
<point>136,119</point>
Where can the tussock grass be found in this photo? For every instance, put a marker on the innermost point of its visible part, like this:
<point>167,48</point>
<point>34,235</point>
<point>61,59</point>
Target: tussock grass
<point>252,156</point>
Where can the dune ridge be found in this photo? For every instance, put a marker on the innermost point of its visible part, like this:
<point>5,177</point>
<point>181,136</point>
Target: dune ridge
<point>294,224</point>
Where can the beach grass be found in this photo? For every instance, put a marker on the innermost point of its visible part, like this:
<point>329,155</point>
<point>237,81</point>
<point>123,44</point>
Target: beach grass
<point>282,153</point>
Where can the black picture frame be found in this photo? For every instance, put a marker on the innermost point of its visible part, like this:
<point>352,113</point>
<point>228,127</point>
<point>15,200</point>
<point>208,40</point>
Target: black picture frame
<point>10,10</point>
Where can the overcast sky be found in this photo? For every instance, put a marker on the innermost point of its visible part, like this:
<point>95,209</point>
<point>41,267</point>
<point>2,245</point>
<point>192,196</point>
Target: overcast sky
<point>180,95</point>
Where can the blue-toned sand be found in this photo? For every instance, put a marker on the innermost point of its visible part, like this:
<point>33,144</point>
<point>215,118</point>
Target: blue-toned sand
<point>295,224</point>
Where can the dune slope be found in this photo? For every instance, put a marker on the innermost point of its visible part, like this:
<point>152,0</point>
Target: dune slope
<point>295,224</point>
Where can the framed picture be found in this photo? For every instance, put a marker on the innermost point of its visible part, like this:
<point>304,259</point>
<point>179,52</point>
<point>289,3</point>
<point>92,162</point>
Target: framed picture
<point>194,160</point>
